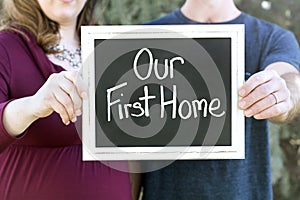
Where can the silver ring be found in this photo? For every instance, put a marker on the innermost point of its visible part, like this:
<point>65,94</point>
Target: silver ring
<point>276,99</point>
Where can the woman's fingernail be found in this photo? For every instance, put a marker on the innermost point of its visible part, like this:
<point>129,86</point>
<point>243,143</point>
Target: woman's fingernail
<point>74,119</point>
<point>78,112</point>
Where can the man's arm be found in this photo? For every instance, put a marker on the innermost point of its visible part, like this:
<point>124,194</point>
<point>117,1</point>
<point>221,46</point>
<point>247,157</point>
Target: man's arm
<point>272,94</point>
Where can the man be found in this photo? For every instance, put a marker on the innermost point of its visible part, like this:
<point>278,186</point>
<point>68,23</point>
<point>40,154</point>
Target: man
<point>272,92</point>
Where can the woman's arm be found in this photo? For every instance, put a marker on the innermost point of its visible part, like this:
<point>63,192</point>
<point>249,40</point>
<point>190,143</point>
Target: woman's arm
<point>62,93</point>
<point>18,115</point>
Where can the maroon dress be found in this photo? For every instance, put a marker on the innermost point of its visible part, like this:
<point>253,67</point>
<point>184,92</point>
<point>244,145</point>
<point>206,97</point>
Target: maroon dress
<point>46,161</point>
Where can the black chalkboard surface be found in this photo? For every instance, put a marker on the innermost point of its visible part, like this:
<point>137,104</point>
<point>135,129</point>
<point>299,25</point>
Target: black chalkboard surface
<point>163,92</point>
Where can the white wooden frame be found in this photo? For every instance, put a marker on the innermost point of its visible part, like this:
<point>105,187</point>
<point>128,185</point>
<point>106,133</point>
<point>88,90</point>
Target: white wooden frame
<point>236,151</point>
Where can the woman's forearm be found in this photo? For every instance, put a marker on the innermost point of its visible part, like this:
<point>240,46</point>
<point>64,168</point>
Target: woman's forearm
<point>18,115</point>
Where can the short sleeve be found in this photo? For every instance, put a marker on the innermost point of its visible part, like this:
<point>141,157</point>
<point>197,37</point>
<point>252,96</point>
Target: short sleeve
<point>281,46</point>
<point>5,138</point>
<point>5,72</point>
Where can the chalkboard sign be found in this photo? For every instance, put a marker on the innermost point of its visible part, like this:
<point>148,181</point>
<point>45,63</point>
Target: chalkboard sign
<point>163,92</point>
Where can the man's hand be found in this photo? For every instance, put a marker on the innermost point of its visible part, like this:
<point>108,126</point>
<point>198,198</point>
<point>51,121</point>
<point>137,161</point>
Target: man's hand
<point>265,95</point>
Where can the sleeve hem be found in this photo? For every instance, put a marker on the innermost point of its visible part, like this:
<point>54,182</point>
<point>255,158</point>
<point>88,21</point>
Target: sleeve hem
<point>4,135</point>
<point>293,63</point>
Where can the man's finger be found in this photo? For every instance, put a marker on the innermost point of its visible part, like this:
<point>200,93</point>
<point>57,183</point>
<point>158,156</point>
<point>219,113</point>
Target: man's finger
<point>260,92</point>
<point>260,106</point>
<point>256,80</point>
<point>274,111</point>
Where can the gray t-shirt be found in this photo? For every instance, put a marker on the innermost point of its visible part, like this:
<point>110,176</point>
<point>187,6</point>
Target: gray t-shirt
<point>229,179</point>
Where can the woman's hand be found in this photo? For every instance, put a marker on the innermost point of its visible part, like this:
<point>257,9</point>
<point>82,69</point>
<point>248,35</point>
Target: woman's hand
<point>62,93</point>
